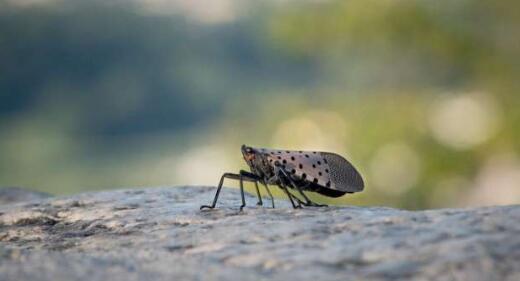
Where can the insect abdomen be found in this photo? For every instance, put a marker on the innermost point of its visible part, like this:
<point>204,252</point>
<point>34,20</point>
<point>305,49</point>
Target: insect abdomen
<point>306,185</point>
<point>330,192</point>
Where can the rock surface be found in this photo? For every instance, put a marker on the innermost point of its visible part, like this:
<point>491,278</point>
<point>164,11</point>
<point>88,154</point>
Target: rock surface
<point>160,234</point>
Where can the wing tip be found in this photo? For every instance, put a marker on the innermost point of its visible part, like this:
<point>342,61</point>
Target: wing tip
<point>345,173</point>
<point>359,186</point>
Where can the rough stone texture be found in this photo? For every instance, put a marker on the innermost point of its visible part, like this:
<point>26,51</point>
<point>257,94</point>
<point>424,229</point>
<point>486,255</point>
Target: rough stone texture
<point>160,234</point>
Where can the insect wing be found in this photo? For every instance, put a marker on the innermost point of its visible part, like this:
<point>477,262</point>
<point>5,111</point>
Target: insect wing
<point>326,169</point>
<point>342,173</point>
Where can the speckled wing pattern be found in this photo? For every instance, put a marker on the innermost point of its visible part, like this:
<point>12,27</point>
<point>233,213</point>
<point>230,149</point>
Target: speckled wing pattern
<point>328,170</point>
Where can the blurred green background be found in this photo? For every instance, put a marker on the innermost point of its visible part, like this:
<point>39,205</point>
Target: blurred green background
<point>422,96</point>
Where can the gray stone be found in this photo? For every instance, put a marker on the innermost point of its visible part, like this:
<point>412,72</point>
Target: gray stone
<point>160,234</point>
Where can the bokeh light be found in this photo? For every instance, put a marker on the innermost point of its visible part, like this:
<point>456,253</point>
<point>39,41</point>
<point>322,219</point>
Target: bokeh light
<point>395,168</point>
<point>316,131</point>
<point>497,182</point>
<point>464,121</point>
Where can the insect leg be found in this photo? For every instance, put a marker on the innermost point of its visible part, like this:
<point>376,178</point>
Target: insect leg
<point>242,192</point>
<point>281,184</point>
<point>295,198</point>
<point>254,178</point>
<point>308,202</point>
<point>225,175</point>
<point>291,197</point>
<point>269,192</point>
<point>258,193</point>
<point>240,177</point>
<point>300,202</point>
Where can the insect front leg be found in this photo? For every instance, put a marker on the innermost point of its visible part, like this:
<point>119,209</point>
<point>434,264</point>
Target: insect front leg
<point>242,192</point>
<point>243,176</point>
<point>225,175</point>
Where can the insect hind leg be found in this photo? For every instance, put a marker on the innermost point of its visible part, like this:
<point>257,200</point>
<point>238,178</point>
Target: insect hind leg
<point>308,202</point>
<point>283,186</point>
<point>291,197</point>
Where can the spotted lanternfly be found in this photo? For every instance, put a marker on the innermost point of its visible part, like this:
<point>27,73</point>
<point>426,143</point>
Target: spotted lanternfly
<point>326,173</point>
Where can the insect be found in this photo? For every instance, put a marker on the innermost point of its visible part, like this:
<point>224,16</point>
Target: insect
<point>326,173</point>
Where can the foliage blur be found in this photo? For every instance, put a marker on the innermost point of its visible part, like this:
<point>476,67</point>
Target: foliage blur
<point>422,96</point>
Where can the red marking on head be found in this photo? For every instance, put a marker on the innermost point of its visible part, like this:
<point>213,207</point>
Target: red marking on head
<point>250,157</point>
